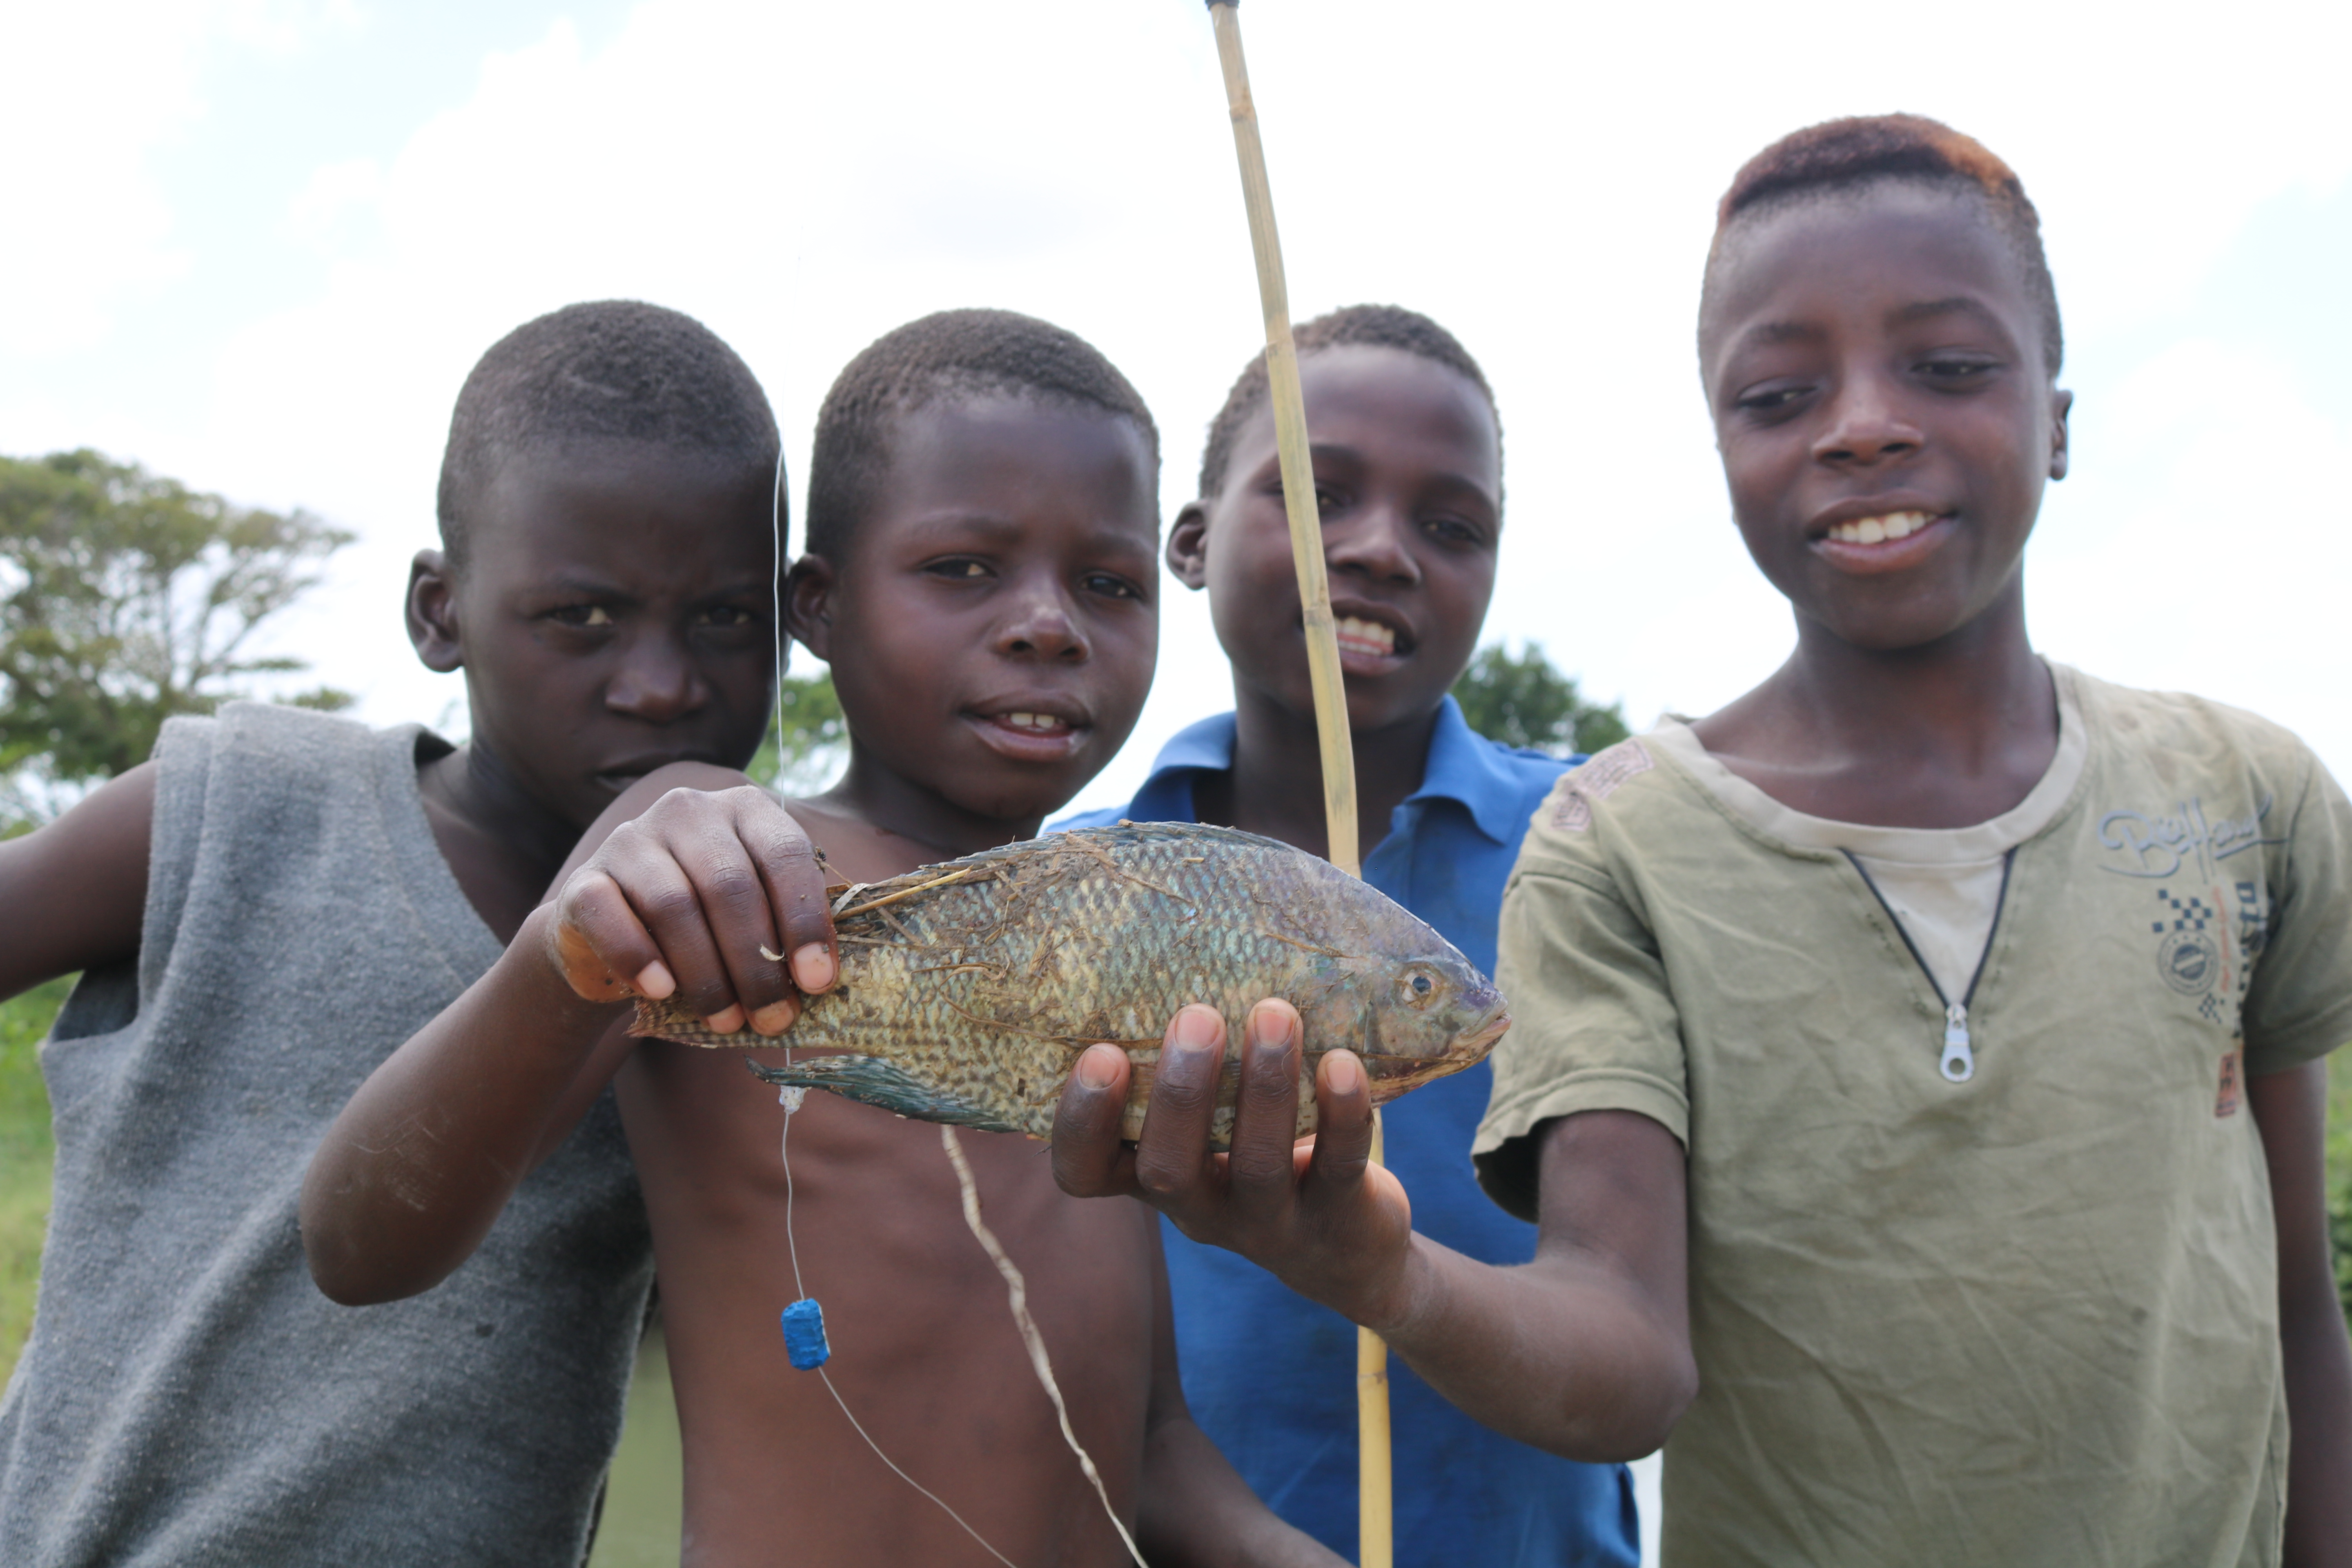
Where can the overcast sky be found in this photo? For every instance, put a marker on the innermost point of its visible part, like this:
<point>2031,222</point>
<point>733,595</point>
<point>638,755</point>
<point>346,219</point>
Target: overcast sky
<point>257,247</point>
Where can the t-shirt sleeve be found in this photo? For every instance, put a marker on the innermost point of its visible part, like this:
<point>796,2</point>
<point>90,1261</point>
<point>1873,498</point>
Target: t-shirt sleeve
<point>1593,1023</point>
<point>2299,1005</point>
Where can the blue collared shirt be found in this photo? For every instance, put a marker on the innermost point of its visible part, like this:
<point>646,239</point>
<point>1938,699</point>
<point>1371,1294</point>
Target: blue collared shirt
<point>1271,1376</point>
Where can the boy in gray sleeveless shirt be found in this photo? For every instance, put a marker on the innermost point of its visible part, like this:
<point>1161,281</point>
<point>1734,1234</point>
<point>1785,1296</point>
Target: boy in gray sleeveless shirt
<point>268,907</point>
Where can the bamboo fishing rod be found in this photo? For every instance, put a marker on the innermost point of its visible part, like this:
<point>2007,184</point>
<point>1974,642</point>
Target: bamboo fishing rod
<point>1375,1547</point>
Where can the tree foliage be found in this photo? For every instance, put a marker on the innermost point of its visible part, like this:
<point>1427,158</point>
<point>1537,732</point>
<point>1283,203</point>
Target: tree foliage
<point>1524,701</point>
<point>803,751</point>
<point>126,598</point>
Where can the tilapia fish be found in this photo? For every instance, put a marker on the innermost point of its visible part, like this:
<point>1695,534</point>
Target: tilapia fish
<point>969,989</point>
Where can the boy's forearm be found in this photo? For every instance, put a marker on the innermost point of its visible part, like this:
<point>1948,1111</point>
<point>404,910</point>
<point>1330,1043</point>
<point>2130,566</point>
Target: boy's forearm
<point>419,1165</point>
<point>1559,1353</point>
<point>2291,1110</point>
<point>1195,1511</point>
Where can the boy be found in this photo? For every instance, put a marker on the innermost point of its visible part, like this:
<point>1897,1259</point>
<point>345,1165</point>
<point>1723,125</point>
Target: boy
<point>983,532</point>
<point>1955,1020</point>
<point>279,898</point>
<point>1408,468</point>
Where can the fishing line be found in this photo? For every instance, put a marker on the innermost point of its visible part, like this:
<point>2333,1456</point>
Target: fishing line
<point>791,1100</point>
<point>1018,1288</point>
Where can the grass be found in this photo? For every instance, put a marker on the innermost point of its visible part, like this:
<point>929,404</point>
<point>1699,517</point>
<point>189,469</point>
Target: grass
<point>26,1154</point>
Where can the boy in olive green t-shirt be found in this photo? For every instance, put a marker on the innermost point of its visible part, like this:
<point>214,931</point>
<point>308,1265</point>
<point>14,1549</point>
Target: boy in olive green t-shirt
<point>1918,1073</point>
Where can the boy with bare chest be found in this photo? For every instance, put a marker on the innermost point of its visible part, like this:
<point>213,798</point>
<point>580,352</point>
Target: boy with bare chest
<point>981,573</point>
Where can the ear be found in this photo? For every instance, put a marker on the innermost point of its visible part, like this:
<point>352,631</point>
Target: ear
<point>431,612</point>
<point>808,605</point>
<point>1188,545</point>
<point>2061,404</point>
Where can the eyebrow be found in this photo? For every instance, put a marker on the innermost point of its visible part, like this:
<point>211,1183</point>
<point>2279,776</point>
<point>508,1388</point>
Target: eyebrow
<point>1927,310</point>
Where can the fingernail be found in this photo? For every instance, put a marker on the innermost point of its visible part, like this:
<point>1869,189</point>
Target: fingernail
<point>726,1021</point>
<point>812,968</point>
<point>1345,1074</point>
<point>656,981</point>
<point>1269,1028</point>
<point>1098,1066</point>
<point>1196,1026</point>
<point>775,1017</point>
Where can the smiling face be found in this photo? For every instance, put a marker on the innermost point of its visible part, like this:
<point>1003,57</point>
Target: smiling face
<point>1880,402</point>
<point>613,615</point>
<point>1408,476</point>
<point>993,629</point>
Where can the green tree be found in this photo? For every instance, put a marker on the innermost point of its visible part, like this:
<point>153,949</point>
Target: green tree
<point>1524,701</point>
<point>807,742</point>
<point>130,598</point>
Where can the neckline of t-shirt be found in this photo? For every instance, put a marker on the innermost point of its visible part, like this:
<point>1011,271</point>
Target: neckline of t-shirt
<point>1979,842</point>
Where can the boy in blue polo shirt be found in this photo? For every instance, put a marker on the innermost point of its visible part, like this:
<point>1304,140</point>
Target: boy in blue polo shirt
<point>1408,471</point>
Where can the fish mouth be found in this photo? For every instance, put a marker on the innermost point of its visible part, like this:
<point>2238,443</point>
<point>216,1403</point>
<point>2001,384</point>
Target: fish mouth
<point>1394,1075</point>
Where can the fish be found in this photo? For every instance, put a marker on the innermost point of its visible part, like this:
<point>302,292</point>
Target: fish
<point>968,989</point>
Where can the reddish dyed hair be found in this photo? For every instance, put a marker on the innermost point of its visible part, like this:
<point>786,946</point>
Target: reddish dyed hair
<point>1844,156</point>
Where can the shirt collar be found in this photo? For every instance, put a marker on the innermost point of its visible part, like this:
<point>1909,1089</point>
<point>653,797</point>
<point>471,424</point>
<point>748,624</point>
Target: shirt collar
<point>1464,767</point>
<point>1467,768</point>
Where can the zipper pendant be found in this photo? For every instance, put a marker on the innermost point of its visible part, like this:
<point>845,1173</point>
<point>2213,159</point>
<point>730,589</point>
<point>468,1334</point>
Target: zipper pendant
<point>1959,1063</point>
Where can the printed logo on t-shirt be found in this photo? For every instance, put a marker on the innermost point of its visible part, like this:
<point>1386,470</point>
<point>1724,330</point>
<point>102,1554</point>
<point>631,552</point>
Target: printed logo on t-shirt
<point>2161,845</point>
<point>1597,780</point>
<point>2234,1061</point>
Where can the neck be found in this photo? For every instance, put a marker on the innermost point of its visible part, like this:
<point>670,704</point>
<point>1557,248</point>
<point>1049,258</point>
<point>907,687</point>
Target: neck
<point>1963,698</point>
<point>888,802</point>
<point>1275,785</point>
<point>472,785</point>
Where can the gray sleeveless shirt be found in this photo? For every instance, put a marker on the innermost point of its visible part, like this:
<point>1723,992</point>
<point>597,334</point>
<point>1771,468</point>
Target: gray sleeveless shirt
<point>187,1396</point>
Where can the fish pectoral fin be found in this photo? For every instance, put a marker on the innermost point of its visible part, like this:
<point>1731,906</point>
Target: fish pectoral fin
<point>871,1080</point>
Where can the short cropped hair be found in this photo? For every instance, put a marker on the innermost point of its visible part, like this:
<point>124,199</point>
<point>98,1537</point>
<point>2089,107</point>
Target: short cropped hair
<point>1350,326</point>
<point>948,356</point>
<point>615,370</point>
<point>1841,156</point>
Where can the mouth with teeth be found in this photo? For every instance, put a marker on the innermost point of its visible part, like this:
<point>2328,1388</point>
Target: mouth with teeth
<point>1891,526</point>
<point>1369,640</point>
<point>1027,735</point>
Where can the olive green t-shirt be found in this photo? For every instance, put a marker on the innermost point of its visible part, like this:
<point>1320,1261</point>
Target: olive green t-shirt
<point>2026,1318</point>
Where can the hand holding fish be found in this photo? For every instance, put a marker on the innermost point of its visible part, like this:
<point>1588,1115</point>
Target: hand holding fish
<point>697,900</point>
<point>1316,1212</point>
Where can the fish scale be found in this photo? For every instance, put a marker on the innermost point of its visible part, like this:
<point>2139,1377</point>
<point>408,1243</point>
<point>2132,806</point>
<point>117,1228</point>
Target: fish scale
<point>968,989</point>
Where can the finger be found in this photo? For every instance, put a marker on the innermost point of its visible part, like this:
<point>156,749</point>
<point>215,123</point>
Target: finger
<point>1266,1114</point>
<point>642,861</point>
<point>1172,1160</point>
<point>1088,1159</point>
<point>1343,1123</point>
<point>599,946</point>
<point>795,882</point>
<point>732,897</point>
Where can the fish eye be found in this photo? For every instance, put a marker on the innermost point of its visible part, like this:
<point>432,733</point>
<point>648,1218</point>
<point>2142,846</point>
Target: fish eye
<point>1415,989</point>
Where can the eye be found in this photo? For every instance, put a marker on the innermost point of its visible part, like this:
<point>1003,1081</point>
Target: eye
<point>1951,371</point>
<point>1769,399</point>
<point>1452,530</point>
<point>582,615</point>
<point>961,569</point>
<point>1111,586</point>
<point>1415,988</point>
<point>1329,500</point>
<point>726,616</point>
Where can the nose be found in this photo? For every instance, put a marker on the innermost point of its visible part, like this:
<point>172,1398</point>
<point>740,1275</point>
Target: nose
<point>1867,426</point>
<point>1040,622</point>
<point>1374,545</point>
<point>656,681</point>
